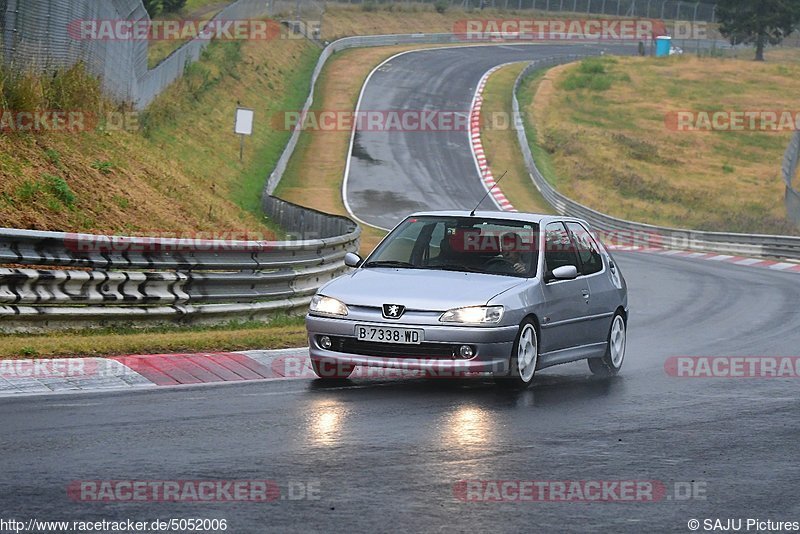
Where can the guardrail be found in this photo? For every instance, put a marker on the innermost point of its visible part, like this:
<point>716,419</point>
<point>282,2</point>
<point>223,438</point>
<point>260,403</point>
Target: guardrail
<point>113,280</point>
<point>640,234</point>
<point>789,170</point>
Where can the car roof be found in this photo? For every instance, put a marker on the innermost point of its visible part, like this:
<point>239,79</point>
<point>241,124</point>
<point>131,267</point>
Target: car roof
<point>499,215</point>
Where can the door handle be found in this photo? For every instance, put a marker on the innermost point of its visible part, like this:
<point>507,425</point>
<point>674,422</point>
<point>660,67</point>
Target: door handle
<point>585,294</point>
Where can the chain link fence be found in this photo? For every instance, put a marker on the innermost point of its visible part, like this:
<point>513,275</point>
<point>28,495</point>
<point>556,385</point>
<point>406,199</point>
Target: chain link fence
<point>41,35</point>
<point>651,9</point>
<point>36,36</point>
<point>303,17</point>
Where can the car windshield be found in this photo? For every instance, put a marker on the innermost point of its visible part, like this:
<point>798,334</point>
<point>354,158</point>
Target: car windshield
<point>464,244</point>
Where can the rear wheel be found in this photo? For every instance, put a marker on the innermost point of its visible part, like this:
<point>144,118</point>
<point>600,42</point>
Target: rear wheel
<point>611,362</point>
<point>331,369</point>
<point>524,357</point>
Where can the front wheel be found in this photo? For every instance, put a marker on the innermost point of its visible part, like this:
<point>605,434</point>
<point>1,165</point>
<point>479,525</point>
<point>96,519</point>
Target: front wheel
<point>524,356</point>
<point>611,362</point>
<point>331,369</point>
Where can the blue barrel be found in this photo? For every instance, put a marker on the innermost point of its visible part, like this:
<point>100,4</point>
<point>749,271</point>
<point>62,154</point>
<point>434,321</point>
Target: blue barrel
<point>663,44</point>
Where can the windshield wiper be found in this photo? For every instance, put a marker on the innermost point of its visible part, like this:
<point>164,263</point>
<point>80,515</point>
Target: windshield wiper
<point>390,263</point>
<point>452,267</point>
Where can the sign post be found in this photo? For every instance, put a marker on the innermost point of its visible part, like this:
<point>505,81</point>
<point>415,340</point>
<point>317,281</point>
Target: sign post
<point>243,126</point>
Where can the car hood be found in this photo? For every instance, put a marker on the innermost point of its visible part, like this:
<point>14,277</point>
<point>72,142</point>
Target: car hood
<point>417,289</point>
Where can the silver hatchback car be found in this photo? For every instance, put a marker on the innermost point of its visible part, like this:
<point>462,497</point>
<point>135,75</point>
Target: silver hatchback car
<point>453,293</point>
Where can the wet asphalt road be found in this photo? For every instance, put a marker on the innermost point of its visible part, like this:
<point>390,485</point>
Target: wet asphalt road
<point>385,454</point>
<point>394,173</point>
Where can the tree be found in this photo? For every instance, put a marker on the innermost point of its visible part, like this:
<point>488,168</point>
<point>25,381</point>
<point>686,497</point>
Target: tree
<point>153,7</point>
<point>758,21</point>
<point>173,6</point>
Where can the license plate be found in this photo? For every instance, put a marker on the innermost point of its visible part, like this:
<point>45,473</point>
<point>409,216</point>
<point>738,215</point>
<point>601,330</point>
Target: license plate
<point>389,334</point>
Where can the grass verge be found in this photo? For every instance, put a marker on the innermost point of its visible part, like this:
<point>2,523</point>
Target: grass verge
<point>268,76</point>
<point>316,170</point>
<point>199,10</point>
<point>500,143</point>
<point>173,169</point>
<point>602,138</point>
<point>281,333</point>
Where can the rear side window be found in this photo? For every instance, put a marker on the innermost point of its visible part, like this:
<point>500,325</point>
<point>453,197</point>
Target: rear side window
<point>587,249</point>
<point>559,250</point>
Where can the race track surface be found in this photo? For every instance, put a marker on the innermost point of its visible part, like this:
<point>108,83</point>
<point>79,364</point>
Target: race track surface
<point>394,173</point>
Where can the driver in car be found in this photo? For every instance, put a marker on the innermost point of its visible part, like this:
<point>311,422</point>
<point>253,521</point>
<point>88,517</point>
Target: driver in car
<point>511,258</point>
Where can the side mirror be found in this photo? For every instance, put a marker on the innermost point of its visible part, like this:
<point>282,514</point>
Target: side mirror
<point>565,272</point>
<point>352,260</point>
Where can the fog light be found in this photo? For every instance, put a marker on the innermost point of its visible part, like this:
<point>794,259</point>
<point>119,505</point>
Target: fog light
<point>465,351</point>
<point>325,342</point>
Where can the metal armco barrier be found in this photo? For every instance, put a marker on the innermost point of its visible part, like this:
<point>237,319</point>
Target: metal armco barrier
<point>639,234</point>
<point>789,170</point>
<point>111,280</point>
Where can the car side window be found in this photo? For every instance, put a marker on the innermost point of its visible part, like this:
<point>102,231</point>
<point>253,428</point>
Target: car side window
<point>588,251</point>
<point>559,250</point>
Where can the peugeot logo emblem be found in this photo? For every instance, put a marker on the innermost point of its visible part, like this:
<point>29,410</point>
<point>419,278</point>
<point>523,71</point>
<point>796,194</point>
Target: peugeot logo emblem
<point>393,311</point>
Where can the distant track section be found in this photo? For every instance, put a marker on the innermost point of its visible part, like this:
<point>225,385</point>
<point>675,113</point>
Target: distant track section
<point>392,173</point>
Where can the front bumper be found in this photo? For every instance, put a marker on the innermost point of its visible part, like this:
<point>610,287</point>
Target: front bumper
<point>491,347</point>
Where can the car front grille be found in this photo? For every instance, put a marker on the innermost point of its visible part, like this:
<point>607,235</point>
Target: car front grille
<point>349,345</point>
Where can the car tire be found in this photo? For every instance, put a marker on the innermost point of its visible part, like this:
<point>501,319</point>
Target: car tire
<point>524,357</point>
<point>611,362</point>
<point>331,369</point>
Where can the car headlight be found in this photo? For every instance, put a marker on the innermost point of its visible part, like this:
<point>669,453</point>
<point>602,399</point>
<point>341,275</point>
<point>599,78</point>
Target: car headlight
<point>473,315</point>
<point>328,306</point>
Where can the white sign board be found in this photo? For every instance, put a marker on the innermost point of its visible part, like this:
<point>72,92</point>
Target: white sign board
<point>244,121</point>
